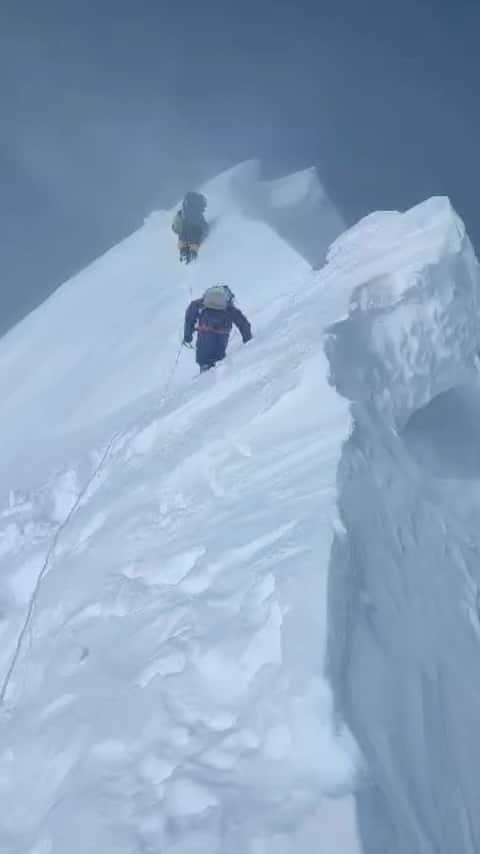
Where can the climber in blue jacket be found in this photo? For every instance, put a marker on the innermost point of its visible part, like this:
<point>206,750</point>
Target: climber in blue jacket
<point>212,317</point>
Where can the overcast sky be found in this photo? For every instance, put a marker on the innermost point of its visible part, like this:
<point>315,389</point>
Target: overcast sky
<point>110,108</point>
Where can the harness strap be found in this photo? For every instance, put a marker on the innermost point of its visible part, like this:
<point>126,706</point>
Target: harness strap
<point>204,328</point>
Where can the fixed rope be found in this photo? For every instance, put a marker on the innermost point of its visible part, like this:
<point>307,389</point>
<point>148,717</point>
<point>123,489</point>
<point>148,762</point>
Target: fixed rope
<point>170,378</point>
<point>46,565</point>
<point>53,545</point>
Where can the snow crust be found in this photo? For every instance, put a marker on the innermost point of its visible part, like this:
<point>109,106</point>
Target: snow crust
<point>164,545</point>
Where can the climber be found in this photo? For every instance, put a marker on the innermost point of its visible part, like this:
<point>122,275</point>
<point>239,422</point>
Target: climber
<point>191,226</point>
<point>212,317</point>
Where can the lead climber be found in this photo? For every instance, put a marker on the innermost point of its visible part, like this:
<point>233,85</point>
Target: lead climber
<point>212,317</point>
<point>191,226</point>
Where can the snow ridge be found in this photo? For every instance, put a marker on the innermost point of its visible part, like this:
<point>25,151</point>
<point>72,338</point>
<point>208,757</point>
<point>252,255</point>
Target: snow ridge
<point>171,581</point>
<point>165,589</point>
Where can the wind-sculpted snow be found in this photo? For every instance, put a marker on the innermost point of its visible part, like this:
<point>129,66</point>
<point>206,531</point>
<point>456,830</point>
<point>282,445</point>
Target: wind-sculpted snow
<point>405,567</point>
<point>411,333</point>
<point>163,560</point>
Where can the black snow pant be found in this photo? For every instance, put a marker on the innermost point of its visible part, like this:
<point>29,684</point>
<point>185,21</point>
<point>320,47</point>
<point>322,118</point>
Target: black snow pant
<point>211,348</point>
<point>189,241</point>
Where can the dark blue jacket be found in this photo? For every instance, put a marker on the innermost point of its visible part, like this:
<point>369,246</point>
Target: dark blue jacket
<point>209,321</point>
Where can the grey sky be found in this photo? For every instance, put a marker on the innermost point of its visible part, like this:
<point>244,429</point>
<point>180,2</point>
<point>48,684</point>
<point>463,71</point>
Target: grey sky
<point>110,109</point>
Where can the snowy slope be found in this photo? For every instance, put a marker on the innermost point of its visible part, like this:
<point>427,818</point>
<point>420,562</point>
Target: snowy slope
<point>109,337</point>
<point>164,543</point>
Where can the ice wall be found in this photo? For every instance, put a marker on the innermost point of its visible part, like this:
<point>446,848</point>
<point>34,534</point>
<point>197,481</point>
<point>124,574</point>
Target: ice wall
<point>405,570</point>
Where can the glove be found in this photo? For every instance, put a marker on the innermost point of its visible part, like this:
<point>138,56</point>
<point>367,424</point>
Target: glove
<point>187,344</point>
